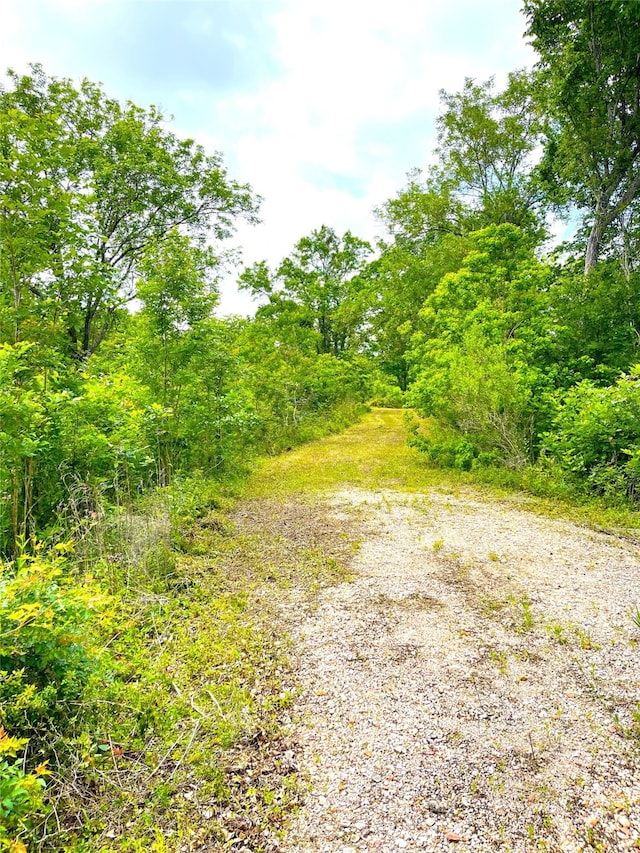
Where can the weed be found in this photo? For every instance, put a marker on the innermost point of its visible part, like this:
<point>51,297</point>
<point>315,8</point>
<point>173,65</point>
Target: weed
<point>196,684</point>
<point>493,556</point>
<point>584,638</point>
<point>562,634</point>
<point>557,632</point>
<point>526,616</point>
<point>593,842</point>
<point>500,658</point>
<point>491,606</point>
<point>20,794</point>
<point>438,545</point>
<point>496,783</point>
<point>634,729</point>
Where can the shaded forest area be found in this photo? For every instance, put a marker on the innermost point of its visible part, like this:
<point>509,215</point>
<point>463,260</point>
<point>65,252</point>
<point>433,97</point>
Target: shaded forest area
<point>128,410</point>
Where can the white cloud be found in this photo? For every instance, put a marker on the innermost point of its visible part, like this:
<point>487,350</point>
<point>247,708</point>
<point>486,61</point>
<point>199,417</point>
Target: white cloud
<point>347,67</point>
<point>15,55</point>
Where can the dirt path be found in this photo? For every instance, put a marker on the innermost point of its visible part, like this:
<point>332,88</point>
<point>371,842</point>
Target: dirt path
<point>473,687</point>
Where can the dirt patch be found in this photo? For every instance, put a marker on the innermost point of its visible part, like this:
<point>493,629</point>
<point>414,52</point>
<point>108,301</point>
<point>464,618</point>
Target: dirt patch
<point>474,687</point>
<point>295,537</point>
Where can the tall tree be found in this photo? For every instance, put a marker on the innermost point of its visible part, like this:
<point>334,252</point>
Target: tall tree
<point>177,293</point>
<point>317,287</point>
<point>590,62</point>
<point>423,211</point>
<point>486,146</point>
<point>483,355</point>
<point>397,284</point>
<point>123,182</point>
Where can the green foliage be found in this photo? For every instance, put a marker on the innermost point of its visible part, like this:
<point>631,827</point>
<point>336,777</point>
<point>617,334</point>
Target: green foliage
<point>478,359</point>
<point>422,212</point>
<point>447,448</point>
<point>316,287</point>
<point>595,436</point>
<point>386,394</point>
<point>595,319</point>
<point>589,67</point>
<point>20,795</point>
<point>203,410</point>
<point>486,142</point>
<point>192,685</point>
<point>46,654</point>
<point>23,428</point>
<point>60,447</point>
<point>101,431</point>
<point>114,183</point>
<point>98,200</point>
<point>130,429</point>
<point>397,283</point>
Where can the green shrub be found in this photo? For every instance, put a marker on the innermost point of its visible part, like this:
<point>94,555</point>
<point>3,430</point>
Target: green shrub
<point>595,437</point>
<point>45,653</point>
<point>20,795</point>
<point>386,395</point>
<point>444,448</point>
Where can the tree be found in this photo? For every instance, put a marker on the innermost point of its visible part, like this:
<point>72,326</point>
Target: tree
<point>484,176</point>
<point>122,183</point>
<point>590,65</point>
<point>34,214</point>
<point>178,293</point>
<point>423,211</point>
<point>486,146</point>
<point>596,321</point>
<point>397,283</point>
<point>317,286</point>
<point>483,355</point>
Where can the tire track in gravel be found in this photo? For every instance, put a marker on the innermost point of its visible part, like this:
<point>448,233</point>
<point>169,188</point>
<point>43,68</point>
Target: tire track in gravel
<point>473,687</point>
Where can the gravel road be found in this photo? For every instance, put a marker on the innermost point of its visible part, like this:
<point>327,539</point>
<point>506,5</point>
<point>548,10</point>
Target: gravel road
<point>472,687</point>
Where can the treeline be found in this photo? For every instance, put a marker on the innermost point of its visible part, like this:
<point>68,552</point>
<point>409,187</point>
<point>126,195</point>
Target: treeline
<point>119,384</point>
<point>466,305</point>
<point>519,348</point>
<point>523,352</point>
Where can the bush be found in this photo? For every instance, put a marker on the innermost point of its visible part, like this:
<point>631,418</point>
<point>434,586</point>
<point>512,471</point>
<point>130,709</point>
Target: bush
<point>386,395</point>
<point>20,794</point>
<point>482,401</point>
<point>595,437</point>
<point>45,653</point>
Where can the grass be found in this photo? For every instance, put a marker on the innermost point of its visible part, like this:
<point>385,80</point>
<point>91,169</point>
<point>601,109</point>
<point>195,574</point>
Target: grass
<point>201,680</point>
<point>374,454</point>
<point>192,719</point>
<point>182,744</point>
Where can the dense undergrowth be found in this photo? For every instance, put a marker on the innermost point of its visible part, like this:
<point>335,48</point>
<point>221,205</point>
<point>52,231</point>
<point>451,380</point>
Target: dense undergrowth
<point>142,683</point>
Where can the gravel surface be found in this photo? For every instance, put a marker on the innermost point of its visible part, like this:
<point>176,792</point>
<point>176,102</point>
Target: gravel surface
<point>473,687</point>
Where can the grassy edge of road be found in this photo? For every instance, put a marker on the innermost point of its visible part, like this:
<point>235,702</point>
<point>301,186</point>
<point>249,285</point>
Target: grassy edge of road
<point>374,454</point>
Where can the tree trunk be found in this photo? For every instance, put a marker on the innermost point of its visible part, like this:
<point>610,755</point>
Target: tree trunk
<point>593,244</point>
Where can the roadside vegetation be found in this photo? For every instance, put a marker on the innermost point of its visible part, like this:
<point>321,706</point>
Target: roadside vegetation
<point>141,673</point>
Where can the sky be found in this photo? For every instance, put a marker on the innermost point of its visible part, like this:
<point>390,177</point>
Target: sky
<point>323,106</point>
